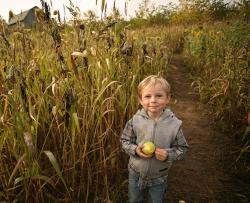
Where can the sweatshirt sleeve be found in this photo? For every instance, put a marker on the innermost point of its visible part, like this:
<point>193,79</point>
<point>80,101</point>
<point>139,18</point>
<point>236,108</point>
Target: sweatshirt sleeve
<point>178,148</point>
<point>128,139</point>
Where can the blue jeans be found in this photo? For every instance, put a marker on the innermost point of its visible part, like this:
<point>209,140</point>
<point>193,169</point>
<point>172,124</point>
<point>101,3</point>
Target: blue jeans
<point>152,194</point>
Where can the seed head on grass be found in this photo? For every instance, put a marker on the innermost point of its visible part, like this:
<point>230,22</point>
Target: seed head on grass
<point>55,12</point>
<point>29,142</point>
<point>127,49</point>
<point>46,10</point>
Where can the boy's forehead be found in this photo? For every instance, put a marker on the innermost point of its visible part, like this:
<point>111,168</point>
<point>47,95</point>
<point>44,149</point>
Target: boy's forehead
<point>153,87</point>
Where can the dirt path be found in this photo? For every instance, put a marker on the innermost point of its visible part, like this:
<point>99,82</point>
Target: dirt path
<point>201,176</point>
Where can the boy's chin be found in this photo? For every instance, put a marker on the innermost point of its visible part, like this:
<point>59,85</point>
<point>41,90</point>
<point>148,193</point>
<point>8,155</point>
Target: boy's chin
<point>155,112</point>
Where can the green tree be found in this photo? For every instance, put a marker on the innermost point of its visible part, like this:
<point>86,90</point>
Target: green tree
<point>244,10</point>
<point>217,10</point>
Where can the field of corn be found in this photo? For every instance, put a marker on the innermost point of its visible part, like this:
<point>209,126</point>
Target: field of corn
<point>66,92</point>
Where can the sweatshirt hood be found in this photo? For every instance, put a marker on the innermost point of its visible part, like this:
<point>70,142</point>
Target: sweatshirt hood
<point>166,114</point>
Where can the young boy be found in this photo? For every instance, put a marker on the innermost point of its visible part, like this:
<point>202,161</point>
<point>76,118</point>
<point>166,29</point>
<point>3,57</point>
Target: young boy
<point>155,123</point>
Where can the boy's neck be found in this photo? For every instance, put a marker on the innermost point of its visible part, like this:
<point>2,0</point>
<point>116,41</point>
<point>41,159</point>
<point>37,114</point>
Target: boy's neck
<point>155,117</point>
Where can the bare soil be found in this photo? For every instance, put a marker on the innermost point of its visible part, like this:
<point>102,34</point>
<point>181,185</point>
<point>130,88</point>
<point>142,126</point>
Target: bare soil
<point>205,174</point>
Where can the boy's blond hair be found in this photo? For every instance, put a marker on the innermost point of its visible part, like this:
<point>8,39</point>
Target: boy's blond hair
<point>151,81</point>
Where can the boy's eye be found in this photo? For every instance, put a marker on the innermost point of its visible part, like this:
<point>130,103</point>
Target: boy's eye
<point>159,95</point>
<point>147,96</point>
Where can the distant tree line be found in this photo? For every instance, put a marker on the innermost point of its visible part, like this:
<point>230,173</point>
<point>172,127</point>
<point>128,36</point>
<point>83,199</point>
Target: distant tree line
<point>193,11</point>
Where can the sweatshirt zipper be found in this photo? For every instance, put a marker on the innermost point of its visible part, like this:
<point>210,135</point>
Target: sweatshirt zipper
<point>153,140</point>
<point>155,123</point>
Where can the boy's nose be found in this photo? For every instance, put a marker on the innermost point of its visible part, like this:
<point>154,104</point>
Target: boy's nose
<point>153,99</point>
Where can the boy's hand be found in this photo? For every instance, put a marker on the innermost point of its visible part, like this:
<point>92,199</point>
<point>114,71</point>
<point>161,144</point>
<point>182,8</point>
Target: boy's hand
<point>161,154</point>
<point>139,152</point>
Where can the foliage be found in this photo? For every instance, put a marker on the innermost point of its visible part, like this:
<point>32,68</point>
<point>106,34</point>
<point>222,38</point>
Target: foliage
<point>66,93</point>
<point>191,12</point>
<point>220,59</point>
<point>243,10</point>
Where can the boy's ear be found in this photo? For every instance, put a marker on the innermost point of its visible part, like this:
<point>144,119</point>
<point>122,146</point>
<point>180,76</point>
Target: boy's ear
<point>140,101</point>
<point>169,97</point>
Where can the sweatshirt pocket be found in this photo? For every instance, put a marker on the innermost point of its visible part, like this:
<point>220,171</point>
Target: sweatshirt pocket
<point>160,168</point>
<point>163,169</point>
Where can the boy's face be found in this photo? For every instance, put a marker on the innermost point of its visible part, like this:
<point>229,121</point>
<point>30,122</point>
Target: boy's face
<point>154,100</point>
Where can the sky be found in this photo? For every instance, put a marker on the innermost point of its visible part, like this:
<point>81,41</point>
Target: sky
<point>17,6</point>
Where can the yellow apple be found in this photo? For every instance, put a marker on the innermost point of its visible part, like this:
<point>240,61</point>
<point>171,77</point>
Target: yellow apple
<point>148,148</point>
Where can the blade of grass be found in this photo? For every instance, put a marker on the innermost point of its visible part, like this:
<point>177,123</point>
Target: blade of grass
<point>55,164</point>
<point>18,165</point>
